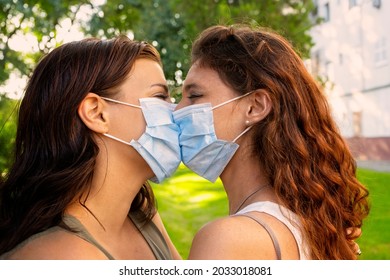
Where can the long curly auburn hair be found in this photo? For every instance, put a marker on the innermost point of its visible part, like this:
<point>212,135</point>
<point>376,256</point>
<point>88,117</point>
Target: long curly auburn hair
<point>299,145</point>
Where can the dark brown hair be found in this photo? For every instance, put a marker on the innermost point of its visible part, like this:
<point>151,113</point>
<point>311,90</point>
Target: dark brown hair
<point>298,144</point>
<point>55,152</point>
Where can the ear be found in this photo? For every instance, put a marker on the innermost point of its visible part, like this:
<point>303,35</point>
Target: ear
<point>259,106</point>
<point>93,114</point>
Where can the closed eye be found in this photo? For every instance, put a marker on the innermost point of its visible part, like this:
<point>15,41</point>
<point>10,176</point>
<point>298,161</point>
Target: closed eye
<point>162,95</point>
<point>194,95</point>
<point>161,91</point>
<point>193,91</point>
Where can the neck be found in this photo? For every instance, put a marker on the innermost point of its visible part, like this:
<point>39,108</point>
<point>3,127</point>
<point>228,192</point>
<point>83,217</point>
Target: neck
<point>244,182</point>
<point>106,208</point>
<point>113,189</point>
<point>258,190</point>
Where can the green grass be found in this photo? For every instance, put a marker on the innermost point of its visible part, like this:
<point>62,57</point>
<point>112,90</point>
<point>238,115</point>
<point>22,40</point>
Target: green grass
<point>375,239</point>
<point>186,202</point>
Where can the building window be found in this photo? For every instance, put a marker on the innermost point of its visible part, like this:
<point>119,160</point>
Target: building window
<point>314,12</point>
<point>357,124</point>
<point>341,59</point>
<point>352,3</point>
<point>315,63</point>
<point>377,3</point>
<point>326,12</point>
<point>380,52</point>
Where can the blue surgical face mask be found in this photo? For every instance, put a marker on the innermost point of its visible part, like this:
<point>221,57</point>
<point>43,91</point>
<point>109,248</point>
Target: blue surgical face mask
<point>201,151</point>
<point>159,144</point>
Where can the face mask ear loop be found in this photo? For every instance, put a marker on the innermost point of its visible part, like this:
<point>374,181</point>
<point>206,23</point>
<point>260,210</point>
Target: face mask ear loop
<point>115,138</point>
<point>231,100</point>
<point>242,133</point>
<point>120,102</point>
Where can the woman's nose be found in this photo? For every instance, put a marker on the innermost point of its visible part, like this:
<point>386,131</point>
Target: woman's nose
<point>183,103</point>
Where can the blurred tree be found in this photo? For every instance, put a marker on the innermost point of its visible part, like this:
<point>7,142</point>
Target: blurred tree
<point>171,25</point>
<point>8,117</point>
<point>291,18</point>
<point>35,21</point>
<point>154,21</point>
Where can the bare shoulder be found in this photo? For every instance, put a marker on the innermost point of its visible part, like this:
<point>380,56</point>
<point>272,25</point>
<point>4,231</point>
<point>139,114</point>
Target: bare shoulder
<point>233,237</point>
<point>57,245</point>
<point>240,237</point>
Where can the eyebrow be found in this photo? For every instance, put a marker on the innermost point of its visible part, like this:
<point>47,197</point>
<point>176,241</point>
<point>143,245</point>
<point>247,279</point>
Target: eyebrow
<point>164,86</point>
<point>188,87</point>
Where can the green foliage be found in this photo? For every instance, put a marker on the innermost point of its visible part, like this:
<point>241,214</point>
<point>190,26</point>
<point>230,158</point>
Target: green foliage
<point>8,116</point>
<point>172,25</point>
<point>291,18</point>
<point>164,27</point>
<point>38,18</point>
<point>114,17</point>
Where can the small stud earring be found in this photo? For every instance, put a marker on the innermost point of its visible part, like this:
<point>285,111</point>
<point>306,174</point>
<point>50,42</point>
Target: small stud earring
<point>247,122</point>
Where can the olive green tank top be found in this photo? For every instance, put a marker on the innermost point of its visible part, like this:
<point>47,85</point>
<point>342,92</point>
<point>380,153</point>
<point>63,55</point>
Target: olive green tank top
<point>149,231</point>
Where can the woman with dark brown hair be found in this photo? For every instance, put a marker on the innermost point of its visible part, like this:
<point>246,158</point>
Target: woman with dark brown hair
<point>94,125</point>
<point>253,115</point>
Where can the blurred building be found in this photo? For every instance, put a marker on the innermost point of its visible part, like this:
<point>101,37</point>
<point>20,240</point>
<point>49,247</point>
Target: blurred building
<point>351,56</point>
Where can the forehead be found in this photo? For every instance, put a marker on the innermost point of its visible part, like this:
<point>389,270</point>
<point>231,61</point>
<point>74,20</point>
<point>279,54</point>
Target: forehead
<point>207,82</point>
<point>145,76</point>
<point>147,71</point>
<point>201,77</point>
<point>199,73</point>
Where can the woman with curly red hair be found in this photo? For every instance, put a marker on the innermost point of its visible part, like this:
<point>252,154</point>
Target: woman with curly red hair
<point>252,115</point>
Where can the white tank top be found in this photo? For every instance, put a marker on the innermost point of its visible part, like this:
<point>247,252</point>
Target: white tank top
<point>286,217</point>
